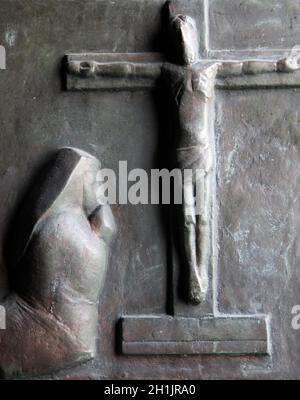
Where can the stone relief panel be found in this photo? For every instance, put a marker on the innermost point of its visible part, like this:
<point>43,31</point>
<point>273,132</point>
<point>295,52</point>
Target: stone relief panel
<point>225,80</point>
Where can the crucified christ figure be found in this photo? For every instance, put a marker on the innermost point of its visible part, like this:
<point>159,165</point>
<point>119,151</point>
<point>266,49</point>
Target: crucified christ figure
<point>190,82</point>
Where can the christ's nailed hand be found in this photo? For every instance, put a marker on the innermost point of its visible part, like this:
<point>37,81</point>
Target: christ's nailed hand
<point>290,63</point>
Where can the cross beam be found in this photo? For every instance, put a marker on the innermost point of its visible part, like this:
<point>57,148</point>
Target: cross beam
<point>80,75</point>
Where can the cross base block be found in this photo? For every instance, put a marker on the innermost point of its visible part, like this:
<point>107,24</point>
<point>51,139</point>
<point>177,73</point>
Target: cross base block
<point>226,335</point>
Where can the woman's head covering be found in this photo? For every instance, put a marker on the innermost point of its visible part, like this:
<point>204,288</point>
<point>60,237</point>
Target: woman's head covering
<point>70,165</point>
<point>62,181</point>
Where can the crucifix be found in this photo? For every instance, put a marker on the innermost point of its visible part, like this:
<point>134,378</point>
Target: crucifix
<point>190,82</point>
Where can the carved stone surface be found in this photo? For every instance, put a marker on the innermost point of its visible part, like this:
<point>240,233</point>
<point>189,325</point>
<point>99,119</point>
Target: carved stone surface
<point>257,153</point>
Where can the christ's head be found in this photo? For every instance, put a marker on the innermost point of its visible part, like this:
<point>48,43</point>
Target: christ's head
<point>183,39</point>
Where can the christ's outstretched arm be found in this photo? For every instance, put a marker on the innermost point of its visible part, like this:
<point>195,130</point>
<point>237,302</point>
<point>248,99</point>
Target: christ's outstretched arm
<point>115,69</point>
<point>254,67</point>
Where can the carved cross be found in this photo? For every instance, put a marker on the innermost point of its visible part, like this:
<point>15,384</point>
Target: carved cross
<point>191,83</point>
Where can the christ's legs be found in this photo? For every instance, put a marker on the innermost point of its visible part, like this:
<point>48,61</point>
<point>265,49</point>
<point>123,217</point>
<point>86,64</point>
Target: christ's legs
<point>196,231</point>
<point>189,238</point>
<point>203,228</point>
